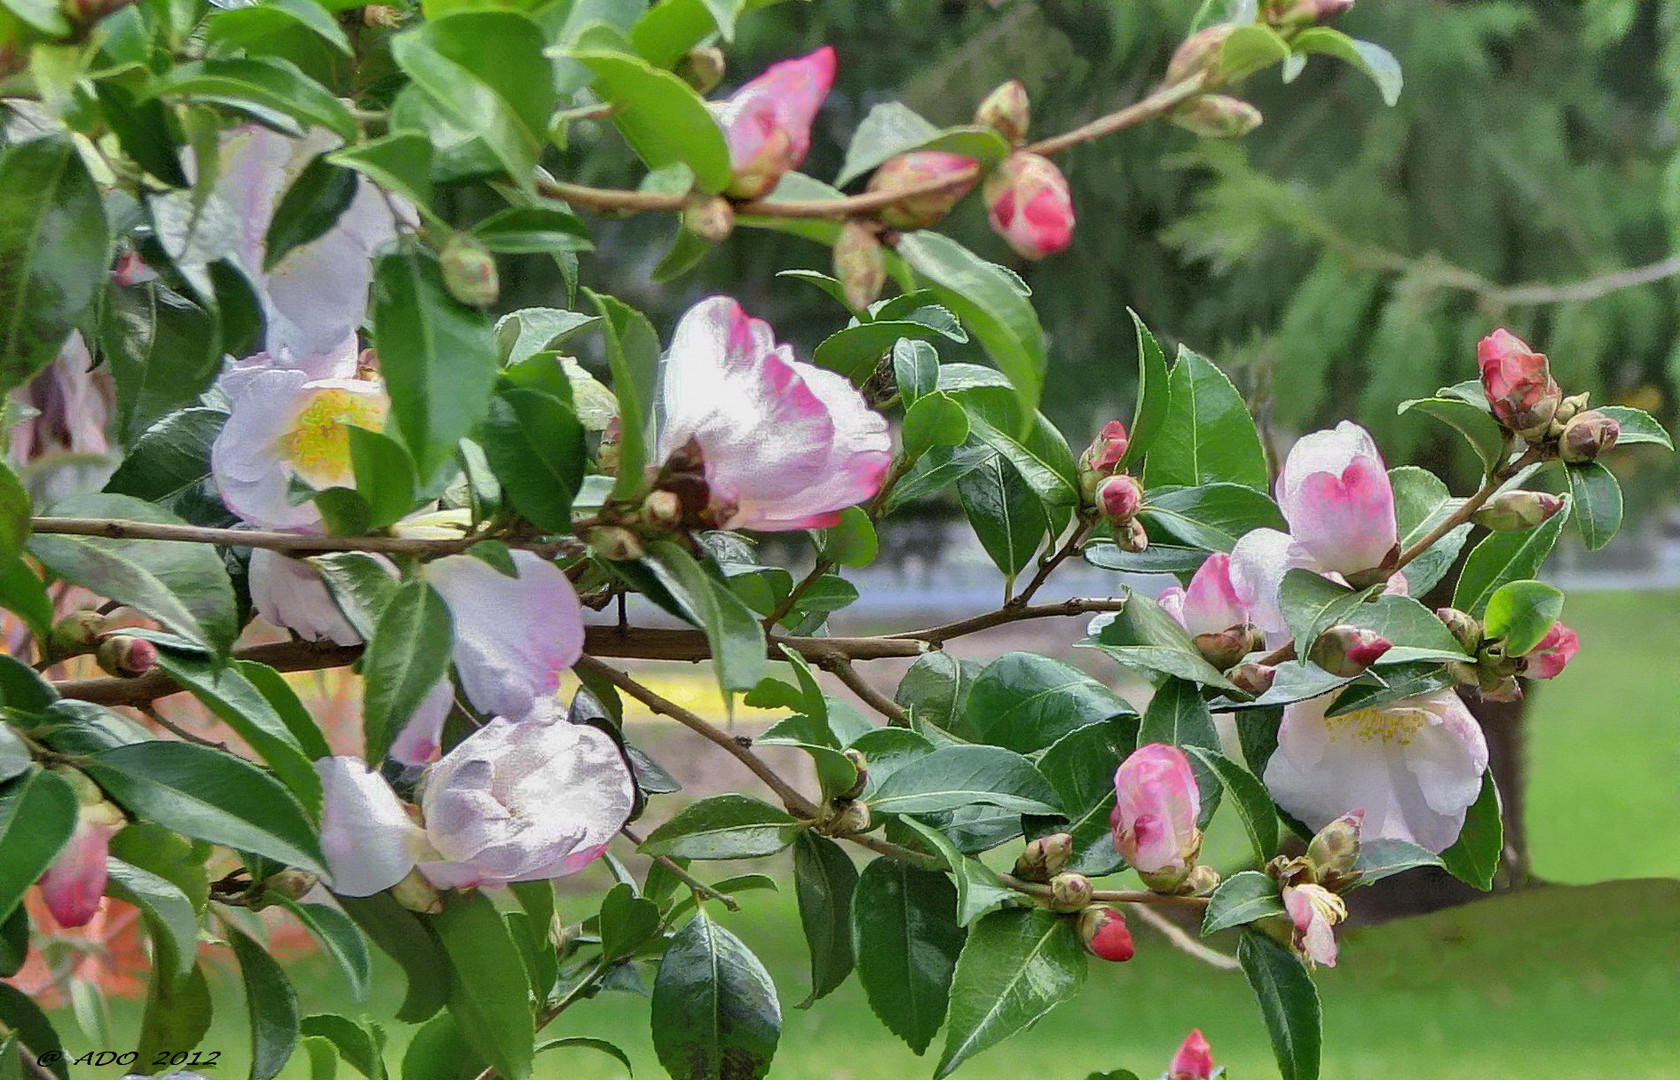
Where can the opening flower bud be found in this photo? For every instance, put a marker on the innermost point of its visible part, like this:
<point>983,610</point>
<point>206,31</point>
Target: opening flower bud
<point>1198,54</point>
<point>1044,858</point>
<point>291,882</point>
<point>1131,536</point>
<point>861,764</point>
<point>1516,511</point>
<point>1106,936</point>
<point>1226,647</point>
<point>78,632</point>
<point>662,510</point>
<point>1299,14</point>
<point>1588,435</point>
<point>1335,849</point>
<point>614,542</point>
<point>702,69</point>
<point>1200,881</point>
<point>1464,626</point>
<point>1070,892</point>
<point>710,217</point>
<point>1348,650</point>
<point>1251,678</point>
<point>1103,456</point>
<point>1030,205</point>
<point>1548,659</point>
<point>1314,911</point>
<point>1119,498</point>
<point>909,171</point>
<point>469,270</point>
<point>1518,384</point>
<point>126,657</point>
<point>850,819</point>
<point>860,264</point>
<point>1194,1060</point>
<point>1217,116</point>
<point>1006,111</point>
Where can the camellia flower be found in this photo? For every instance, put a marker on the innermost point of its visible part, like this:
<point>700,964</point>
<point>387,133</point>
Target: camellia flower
<point>782,444</point>
<point>289,593</point>
<point>1210,603</point>
<point>1518,383</point>
<point>1548,659</point>
<point>75,882</point>
<point>1314,910</point>
<point>1335,494</point>
<point>767,123</point>
<point>1155,812</point>
<point>62,440</point>
<point>1415,766</point>
<point>1194,1060</point>
<point>515,801</point>
<point>1030,205</point>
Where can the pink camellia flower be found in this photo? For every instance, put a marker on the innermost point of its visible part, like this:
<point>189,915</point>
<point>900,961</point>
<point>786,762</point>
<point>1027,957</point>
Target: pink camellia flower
<point>1415,765</point>
<point>1194,1060</point>
<point>914,169</point>
<point>288,593</point>
<point>1336,497</point>
<point>1210,603</point>
<point>1314,910</point>
<point>783,444</point>
<point>1518,382</point>
<point>61,447</point>
<point>75,882</point>
<point>1030,205</point>
<point>767,122</point>
<point>1548,659</point>
<point>516,801</point>
<point>1155,811</point>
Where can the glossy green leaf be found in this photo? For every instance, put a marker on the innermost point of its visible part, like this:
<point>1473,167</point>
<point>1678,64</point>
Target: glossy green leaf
<point>724,827</point>
<point>960,776</point>
<point>1244,897</point>
<point>715,1013</point>
<point>1250,49</point>
<point>533,230</point>
<point>1421,502</point>
<point>177,1014</point>
<point>1051,478</point>
<point>251,26</point>
<point>360,584</point>
<point>163,350</point>
<point>385,477</point>
<point>440,1051</point>
<point>1178,716</point>
<point>1311,603</point>
<point>1015,967</point>
<point>1596,500</point>
<point>1025,702</point>
<point>1154,394</point>
<point>1478,853</point>
<point>1367,56</point>
<point>407,655</point>
<point>37,816</point>
<point>1383,858</point>
<point>1504,557</point>
<point>1477,426</point>
<point>824,879</point>
<point>33,1029</point>
<point>312,204</point>
<point>891,129</point>
<point>15,758</point>
<point>405,938</point>
<point>1007,516</point>
<point>270,1004</point>
<point>400,162</point>
<point>906,940</point>
<point>266,88</point>
<point>1208,436</point>
<point>349,1040</point>
<point>633,358</point>
<point>1212,516</point>
<point>341,940</point>
<point>1080,766</point>
<point>25,595</point>
<point>171,458</point>
<point>535,443</point>
<point>1522,612</point>
<point>1637,427</point>
<point>852,541</point>
<point>936,689</point>
<point>491,997</point>
<point>1249,796</point>
<point>661,117</point>
<point>934,419</point>
<point>855,351</point>
<point>732,630</point>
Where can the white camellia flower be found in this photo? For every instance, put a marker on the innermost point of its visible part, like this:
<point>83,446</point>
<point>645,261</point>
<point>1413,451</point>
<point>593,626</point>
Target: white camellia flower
<point>289,593</point>
<point>515,801</point>
<point>1414,765</point>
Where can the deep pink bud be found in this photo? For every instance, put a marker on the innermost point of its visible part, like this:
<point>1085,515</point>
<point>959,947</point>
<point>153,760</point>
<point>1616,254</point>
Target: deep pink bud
<point>914,169</point>
<point>1155,811</point>
<point>1348,650</point>
<point>75,882</point>
<point>1518,383</point>
<point>1548,659</point>
<point>1120,498</point>
<point>1107,449</point>
<point>1295,14</point>
<point>1105,934</point>
<point>1030,205</point>
<point>1194,1060</point>
<point>767,122</point>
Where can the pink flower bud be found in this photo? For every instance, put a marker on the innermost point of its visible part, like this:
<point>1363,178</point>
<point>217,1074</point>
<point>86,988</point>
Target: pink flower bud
<point>1155,811</point>
<point>1253,679</point>
<point>75,882</point>
<point>1548,659</point>
<point>1120,498</point>
<point>1518,383</point>
<point>1335,493</point>
<point>469,270</point>
<point>1006,111</point>
<point>912,170</point>
<point>860,264</point>
<point>1030,205</point>
<point>1194,1060</point>
<point>1224,648</point>
<point>767,122</point>
<point>126,657</point>
<point>1104,454</point>
<point>1131,536</point>
<point>1217,116</point>
<point>1588,435</point>
<point>1105,934</point>
<point>1516,511</point>
<point>1315,911</point>
<point>1210,603</point>
<point>1348,650</point>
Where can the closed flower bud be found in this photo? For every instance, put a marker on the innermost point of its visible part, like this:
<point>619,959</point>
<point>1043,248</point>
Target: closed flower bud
<point>662,510</point>
<point>1030,205</point>
<point>1131,536</point>
<point>710,217</point>
<point>850,819</point>
<point>291,882</point>
<point>78,632</point>
<point>1070,892</point>
<point>1225,647</point>
<point>382,16</point>
<point>1299,14</point>
<point>1044,858</point>
<point>860,264</point>
<point>1464,626</point>
<point>1335,850</point>
<point>702,69</point>
<point>75,881</point>
<point>1119,498</point>
<point>1103,456</point>
<point>767,122</point>
<point>1518,383</point>
<point>1194,1060</point>
<point>1217,116</point>
<point>469,271</point>
<point>1156,806</point>
<point>1516,511</point>
<point>1348,650</point>
<point>615,543</point>
<point>1548,659</point>
<point>1198,54</point>
<point>1201,881</point>
<point>1588,435</point>
<point>1106,936</point>
<point>126,657</point>
<point>1253,679</point>
<point>909,171</point>
<point>1006,111</point>
<point>415,893</point>
<point>1566,410</point>
<point>861,764</point>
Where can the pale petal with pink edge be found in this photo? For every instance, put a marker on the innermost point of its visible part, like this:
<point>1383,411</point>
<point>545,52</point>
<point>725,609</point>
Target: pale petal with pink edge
<point>421,738</point>
<point>289,594</point>
<point>1211,602</point>
<point>1335,493</point>
<point>1156,807</point>
<point>1258,563</point>
<point>767,122</point>
<point>366,834</point>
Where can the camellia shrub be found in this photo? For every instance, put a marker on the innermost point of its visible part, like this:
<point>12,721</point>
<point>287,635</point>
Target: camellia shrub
<point>245,219</point>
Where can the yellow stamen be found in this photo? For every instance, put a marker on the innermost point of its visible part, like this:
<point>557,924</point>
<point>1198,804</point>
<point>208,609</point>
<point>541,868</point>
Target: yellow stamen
<point>318,445</point>
<point>1398,724</point>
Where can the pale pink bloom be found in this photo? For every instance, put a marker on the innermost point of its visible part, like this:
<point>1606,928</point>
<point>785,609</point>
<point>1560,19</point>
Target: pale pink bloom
<point>785,445</point>
<point>1415,765</point>
<point>1517,380</point>
<point>767,122</point>
<point>62,447</point>
<point>514,801</point>
<point>1210,603</point>
<point>1194,1060</point>
<point>75,882</point>
<point>1314,911</point>
<point>421,739</point>
<point>1155,810</point>
<point>1030,205</point>
<point>1548,659</point>
<point>290,594</point>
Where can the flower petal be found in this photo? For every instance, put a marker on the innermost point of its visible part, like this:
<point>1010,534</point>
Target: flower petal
<point>1335,493</point>
<point>421,737</point>
<point>75,882</point>
<point>368,838</point>
<point>291,595</point>
<point>1258,563</point>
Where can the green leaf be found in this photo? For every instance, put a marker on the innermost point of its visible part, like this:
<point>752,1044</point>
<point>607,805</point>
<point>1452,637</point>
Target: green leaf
<point>824,878</point>
<point>172,457</point>
<point>208,795</point>
<point>1154,393</point>
<point>991,302</point>
<point>1383,858</point>
<point>1155,559</point>
<point>400,162</point>
<point>1367,56</point>
<point>1250,49</point>
<point>1522,612</point>
<point>26,1020</point>
<point>438,357</point>
<point>1178,716</point>
<point>385,476</point>
<point>533,230</point>
<point>25,595</point>
<point>906,940</point>
<point>268,89</point>
<point>1596,498</point>
<point>851,542</point>
<point>1637,427</point>
<point>1144,636</point>
<point>349,1040</point>
<point>245,27</point>
<point>1288,1002</point>
<point>1475,857</point>
<point>402,936</point>
<point>661,117</point>
<point>715,1014</point>
<point>177,1015</point>
<point>407,655</point>
<point>934,419</point>
<point>732,630</point>
<point>1253,803</point>
<point>360,584</point>
<point>724,827</point>
<point>40,15</point>
<point>1052,479</point>
<point>312,204</point>
<point>633,358</point>
<point>535,443</point>
<point>1421,502</point>
<point>342,941</point>
<point>1007,516</point>
<point>959,776</point>
<point>891,129</point>
<point>1025,702</point>
<point>1311,603</point>
<point>491,997</point>
<point>440,1052</point>
<point>1242,898</point>
<point>15,509</point>
<point>855,351</point>
<point>1208,436</point>
<point>1016,966</point>
<point>270,1003</point>
<point>15,758</point>
<point>1479,428</point>
<point>1080,766</point>
<point>54,250</point>
<point>936,689</point>
<point>1504,557</point>
<point>37,817</point>
<point>1418,634</point>
<point>1212,516</point>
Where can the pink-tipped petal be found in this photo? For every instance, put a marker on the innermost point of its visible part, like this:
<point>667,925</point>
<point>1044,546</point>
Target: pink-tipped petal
<point>75,882</point>
<point>366,834</point>
<point>1211,602</point>
<point>421,739</point>
<point>767,122</point>
<point>1156,807</point>
<point>1336,496</point>
<point>1548,659</point>
<point>290,594</point>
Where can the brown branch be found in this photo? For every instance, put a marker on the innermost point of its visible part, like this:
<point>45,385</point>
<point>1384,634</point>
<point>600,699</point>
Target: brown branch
<point>936,636</point>
<point>296,543</point>
<point>843,670</point>
<point>1107,896</point>
<point>699,888</point>
<point>1048,564</point>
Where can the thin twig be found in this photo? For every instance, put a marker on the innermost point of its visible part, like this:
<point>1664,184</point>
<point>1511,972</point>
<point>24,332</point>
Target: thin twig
<point>1175,934</point>
<point>843,670</point>
<point>151,712</point>
<point>781,610</point>
<point>1048,564</point>
<point>297,543</point>
<point>699,888</point>
<point>1107,896</point>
